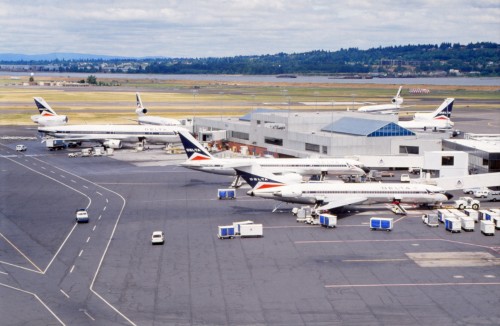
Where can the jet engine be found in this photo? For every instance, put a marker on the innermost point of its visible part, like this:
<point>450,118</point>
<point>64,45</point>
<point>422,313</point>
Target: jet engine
<point>141,111</point>
<point>397,100</point>
<point>112,143</point>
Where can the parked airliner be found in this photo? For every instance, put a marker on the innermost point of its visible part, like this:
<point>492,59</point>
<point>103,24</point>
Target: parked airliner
<point>439,119</point>
<point>391,108</point>
<point>200,159</point>
<point>144,119</point>
<point>327,196</point>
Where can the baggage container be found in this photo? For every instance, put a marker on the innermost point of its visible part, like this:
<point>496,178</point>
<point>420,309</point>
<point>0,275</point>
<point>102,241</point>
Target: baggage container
<point>452,224</point>
<point>472,213</point>
<point>226,194</point>
<point>491,216</point>
<point>304,212</point>
<point>482,214</point>
<point>328,220</point>
<point>457,213</point>
<point>238,224</point>
<point>381,223</point>
<point>487,227</point>
<point>430,219</point>
<point>251,230</point>
<point>496,220</point>
<point>226,232</point>
<point>443,214</point>
<point>467,223</point>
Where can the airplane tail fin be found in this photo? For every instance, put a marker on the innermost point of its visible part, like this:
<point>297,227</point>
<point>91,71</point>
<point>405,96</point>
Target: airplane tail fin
<point>398,100</point>
<point>194,150</point>
<point>140,110</point>
<point>259,179</point>
<point>444,109</point>
<point>43,107</point>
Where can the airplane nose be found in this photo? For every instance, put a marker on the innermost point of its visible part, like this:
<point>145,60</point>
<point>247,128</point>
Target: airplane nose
<point>365,169</point>
<point>448,195</point>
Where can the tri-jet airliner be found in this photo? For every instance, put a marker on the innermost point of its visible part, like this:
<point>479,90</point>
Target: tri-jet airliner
<point>439,119</point>
<point>391,108</point>
<point>201,160</point>
<point>327,196</point>
<point>144,119</point>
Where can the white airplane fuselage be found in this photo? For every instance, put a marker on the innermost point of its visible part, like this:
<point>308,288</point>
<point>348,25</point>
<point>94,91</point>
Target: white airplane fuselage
<point>124,133</point>
<point>300,166</point>
<point>311,193</point>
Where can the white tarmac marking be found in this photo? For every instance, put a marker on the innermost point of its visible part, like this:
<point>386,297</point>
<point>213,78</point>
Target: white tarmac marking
<point>107,201</point>
<point>88,239</point>
<point>93,229</point>
<point>97,192</point>
<point>373,260</point>
<point>73,181</point>
<point>58,250</point>
<point>458,276</point>
<point>72,268</point>
<point>99,217</point>
<point>405,284</point>
<point>8,273</point>
<point>81,252</point>
<point>86,313</point>
<point>62,176</point>
<point>20,252</point>
<point>65,294</point>
<point>489,276</point>
<point>43,167</point>
<point>52,172</point>
<point>39,300</point>
<point>104,208</point>
<point>85,187</point>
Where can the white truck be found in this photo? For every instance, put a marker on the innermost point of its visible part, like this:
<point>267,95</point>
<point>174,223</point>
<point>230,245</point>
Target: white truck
<point>488,194</point>
<point>467,202</point>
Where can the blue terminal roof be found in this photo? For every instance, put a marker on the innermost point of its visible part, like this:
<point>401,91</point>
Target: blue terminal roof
<point>367,128</point>
<point>248,116</point>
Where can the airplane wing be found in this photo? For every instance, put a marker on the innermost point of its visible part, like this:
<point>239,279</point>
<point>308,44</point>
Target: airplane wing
<point>342,201</point>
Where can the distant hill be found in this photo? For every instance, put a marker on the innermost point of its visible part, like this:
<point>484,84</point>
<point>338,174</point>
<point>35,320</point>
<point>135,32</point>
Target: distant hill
<point>55,56</point>
<point>435,60</point>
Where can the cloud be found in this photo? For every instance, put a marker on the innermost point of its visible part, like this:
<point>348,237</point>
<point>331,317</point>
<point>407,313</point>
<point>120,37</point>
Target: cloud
<point>194,28</point>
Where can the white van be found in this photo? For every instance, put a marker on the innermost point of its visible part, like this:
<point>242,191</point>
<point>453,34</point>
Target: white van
<point>489,195</point>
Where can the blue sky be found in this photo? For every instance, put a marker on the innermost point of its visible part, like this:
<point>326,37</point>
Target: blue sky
<point>193,28</point>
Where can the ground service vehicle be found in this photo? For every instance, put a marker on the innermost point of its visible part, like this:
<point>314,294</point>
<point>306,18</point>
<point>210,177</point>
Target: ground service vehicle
<point>21,148</point>
<point>467,202</point>
<point>405,178</point>
<point>55,144</point>
<point>82,216</point>
<point>158,237</point>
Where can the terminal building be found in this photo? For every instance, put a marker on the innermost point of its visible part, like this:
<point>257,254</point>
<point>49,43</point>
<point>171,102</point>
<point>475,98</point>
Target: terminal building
<point>317,134</point>
<point>483,151</point>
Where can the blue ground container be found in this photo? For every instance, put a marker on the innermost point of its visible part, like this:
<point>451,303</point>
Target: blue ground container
<point>381,223</point>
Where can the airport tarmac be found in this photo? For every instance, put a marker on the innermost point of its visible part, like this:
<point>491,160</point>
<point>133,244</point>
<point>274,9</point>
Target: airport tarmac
<point>106,272</point>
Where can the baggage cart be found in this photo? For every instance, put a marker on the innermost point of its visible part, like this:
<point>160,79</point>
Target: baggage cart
<point>226,232</point>
<point>443,214</point>
<point>487,227</point>
<point>237,225</point>
<point>251,230</point>
<point>467,223</point>
<point>226,193</point>
<point>472,213</point>
<point>328,220</point>
<point>430,219</point>
<point>381,223</point>
<point>452,224</point>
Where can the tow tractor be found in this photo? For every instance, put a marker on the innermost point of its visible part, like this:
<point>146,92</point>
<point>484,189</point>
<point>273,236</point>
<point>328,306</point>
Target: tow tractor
<point>467,202</point>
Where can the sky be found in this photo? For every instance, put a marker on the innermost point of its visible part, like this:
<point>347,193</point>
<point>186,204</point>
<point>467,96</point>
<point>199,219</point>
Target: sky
<point>206,28</point>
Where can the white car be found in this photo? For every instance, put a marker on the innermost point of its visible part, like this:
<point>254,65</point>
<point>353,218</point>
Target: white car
<point>405,178</point>
<point>158,237</point>
<point>82,216</point>
<point>21,148</point>
<point>470,191</point>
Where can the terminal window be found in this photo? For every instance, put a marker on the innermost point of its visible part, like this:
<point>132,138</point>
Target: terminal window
<point>408,150</point>
<point>448,161</point>
<point>273,141</point>
<point>312,147</point>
